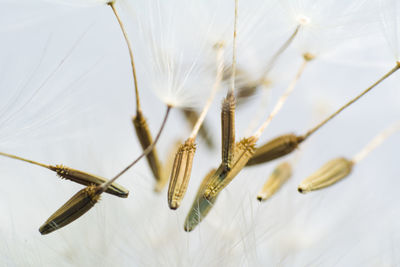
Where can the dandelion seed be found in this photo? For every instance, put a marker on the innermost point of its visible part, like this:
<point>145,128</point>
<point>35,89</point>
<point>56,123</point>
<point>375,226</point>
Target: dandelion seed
<point>139,121</point>
<point>85,199</point>
<point>264,155</point>
<point>228,129</point>
<point>78,205</point>
<point>201,206</point>
<point>77,176</point>
<point>228,108</point>
<point>180,174</point>
<point>182,167</point>
<point>332,172</point>
<point>337,169</point>
<point>276,148</point>
<point>145,138</point>
<point>246,149</point>
<point>279,176</point>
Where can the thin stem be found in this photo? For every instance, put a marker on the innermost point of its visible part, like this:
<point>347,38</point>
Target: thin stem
<point>278,53</point>
<point>232,88</point>
<point>378,140</point>
<point>26,160</point>
<point>313,130</point>
<point>105,185</point>
<point>218,79</point>
<point>282,99</point>
<point>112,5</point>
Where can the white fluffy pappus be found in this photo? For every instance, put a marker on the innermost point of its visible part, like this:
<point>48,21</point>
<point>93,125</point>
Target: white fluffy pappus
<point>390,17</point>
<point>171,60</point>
<point>325,25</point>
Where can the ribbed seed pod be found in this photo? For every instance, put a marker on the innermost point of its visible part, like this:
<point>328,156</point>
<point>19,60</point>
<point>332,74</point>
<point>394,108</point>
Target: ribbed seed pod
<point>167,167</point>
<point>78,205</point>
<point>332,172</point>
<point>180,174</point>
<point>144,135</point>
<point>244,150</point>
<point>275,148</point>
<point>191,116</point>
<point>278,177</point>
<point>87,179</point>
<point>228,130</point>
<point>201,206</point>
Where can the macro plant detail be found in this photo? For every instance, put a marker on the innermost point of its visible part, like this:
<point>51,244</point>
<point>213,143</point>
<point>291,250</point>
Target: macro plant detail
<point>238,152</point>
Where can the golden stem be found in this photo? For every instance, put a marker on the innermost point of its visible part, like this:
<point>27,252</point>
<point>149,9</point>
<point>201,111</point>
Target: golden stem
<point>278,53</point>
<point>217,83</point>
<point>313,130</point>
<point>26,160</point>
<point>232,88</point>
<point>282,99</point>
<point>112,5</point>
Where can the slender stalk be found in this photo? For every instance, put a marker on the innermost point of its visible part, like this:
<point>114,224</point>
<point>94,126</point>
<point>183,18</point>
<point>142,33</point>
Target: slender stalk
<point>105,185</point>
<point>378,140</point>
<point>283,98</point>
<point>112,5</point>
<point>217,83</point>
<point>26,160</point>
<point>278,53</point>
<point>316,128</point>
<point>232,87</point>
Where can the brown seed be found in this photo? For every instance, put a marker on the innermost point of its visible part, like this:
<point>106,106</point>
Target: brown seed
<point>228,130</point>
<point>201,206</point>
<point>87,179</point>
<point>275,148</point>
<point>278,177</point>
<point>144,135</point>
<point>192,116</point>
<point>78,205</point>
<point>332,172</point>
<point>180,174</point>
<point>221,178</point>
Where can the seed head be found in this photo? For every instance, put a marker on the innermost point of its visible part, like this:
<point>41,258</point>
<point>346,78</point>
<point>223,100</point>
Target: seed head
<point>276,148</point>
<point>145,138</point>
<point>87,179</point>
<point>180,174</point>
<point>332,172</point>
<point>201,206</point>
<point>278,177</point>
<point>78,205</point>
<point>222,177</point>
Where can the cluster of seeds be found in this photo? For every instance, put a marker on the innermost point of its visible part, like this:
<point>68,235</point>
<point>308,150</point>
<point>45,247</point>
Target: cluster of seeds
<point>235,156</point>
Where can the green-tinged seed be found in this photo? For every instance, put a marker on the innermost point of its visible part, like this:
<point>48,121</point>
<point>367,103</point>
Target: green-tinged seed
<point>144,135</point>
<point>278,177</point>
<point>201,206</point>
<point>180,174</point>
<point>221,178</point>
<point>332,172</point>
<point>276,148</point>
<point>78,205</point>
<point>228,130</point>
<point>87,179</point>
<point>192,116</point>
<point>167,167</point>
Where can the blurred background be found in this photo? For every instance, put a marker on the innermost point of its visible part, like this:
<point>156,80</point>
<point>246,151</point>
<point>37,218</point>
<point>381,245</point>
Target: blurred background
<point>67,97</point>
